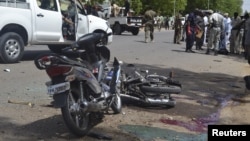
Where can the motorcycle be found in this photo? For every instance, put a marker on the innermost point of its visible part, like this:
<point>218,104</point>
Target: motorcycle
<point>151,89</point>
<point>81,84</point>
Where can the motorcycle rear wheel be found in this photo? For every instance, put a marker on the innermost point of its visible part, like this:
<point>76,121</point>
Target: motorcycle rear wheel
<point>77,121</point>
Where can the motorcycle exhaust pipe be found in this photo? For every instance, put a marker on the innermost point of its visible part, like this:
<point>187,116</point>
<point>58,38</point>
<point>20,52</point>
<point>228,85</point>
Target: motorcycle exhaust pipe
<point>152,101</point>
<point>132,97</point>
<point>161,101</point>
<point>92,107</point>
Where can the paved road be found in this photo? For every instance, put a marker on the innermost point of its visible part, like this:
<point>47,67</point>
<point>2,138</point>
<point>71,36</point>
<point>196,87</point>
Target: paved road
<point>26,83</point>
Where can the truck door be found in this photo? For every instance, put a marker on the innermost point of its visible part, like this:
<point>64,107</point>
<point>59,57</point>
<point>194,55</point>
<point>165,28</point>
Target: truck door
<point>47,21</point>
<point>82,25</point>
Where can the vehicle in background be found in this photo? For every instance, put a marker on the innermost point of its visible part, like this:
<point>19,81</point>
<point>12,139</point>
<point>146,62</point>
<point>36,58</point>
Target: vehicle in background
<point>120,23</point>
<point>36,22</point>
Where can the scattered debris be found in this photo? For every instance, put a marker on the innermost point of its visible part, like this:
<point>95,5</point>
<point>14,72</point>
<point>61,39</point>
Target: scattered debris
<point>99,136</point>
<point>21,102</point>
<point>217,61</point>
<point>241,100</point>
<point>7,70</point>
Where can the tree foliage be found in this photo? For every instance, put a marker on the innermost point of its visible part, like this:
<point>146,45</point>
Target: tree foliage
<point>171,7</point>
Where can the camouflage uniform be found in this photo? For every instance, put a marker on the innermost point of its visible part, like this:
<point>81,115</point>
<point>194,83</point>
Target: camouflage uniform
<point>149,24</point>
<point>177,29</point>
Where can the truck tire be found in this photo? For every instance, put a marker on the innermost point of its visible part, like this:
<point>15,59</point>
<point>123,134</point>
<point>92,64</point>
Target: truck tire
<point>11,47</point>
<point>56,48</point>
<point>117,29</point>
<point>135,31</point>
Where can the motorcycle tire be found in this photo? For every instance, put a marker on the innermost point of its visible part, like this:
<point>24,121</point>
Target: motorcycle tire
<point>161,89</point>
<point>116,106</point>
<point>78,124</point>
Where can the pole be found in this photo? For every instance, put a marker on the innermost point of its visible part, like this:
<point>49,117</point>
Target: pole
<point>174,7</point>
<point>207,4</point>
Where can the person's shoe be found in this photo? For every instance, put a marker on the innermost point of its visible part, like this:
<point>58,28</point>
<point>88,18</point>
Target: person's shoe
<point>146,41</point>
<point>152,41</point>
<point>208,52</point>
<point>215,53</point>
<point>192,51</point>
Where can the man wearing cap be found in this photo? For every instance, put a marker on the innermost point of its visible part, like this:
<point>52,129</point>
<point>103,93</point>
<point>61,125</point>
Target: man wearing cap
<point>216,25</point>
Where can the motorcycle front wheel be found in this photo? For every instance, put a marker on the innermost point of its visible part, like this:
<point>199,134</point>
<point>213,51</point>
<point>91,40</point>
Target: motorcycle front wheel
<point>116,106</point>
<point>77,121</point>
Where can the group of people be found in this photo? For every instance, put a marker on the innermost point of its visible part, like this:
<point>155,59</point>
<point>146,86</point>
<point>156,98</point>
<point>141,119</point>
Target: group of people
<point>222,31</point>
<point>218,31</point>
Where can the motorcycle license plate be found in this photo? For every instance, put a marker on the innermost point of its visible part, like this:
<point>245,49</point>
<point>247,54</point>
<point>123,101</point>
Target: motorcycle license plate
<point>58,88</point>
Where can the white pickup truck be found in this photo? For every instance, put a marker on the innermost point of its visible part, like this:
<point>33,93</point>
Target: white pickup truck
<point>40,22</point>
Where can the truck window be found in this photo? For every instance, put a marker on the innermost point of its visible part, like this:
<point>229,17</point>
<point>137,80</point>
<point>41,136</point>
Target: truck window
<point>47,4</point>
<point>15,3</point>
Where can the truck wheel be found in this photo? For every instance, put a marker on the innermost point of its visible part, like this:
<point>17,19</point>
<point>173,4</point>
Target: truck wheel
<point>135,31</point>
<point>117,29</point>
<point>56,48</point>
<point>11,47</point>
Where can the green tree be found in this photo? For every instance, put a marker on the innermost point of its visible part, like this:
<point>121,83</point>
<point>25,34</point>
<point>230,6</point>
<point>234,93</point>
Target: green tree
<point>171,7</point>
<point>136,5</point>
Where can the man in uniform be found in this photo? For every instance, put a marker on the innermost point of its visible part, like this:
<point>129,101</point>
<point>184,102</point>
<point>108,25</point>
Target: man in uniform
<point>216,24</point>
<point>177,29</point>
<point>149,25</point>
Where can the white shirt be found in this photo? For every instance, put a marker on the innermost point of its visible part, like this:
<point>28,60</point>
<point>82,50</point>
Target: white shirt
<point>205,20</point>
<point>227,22</point>
<point>218,18</point>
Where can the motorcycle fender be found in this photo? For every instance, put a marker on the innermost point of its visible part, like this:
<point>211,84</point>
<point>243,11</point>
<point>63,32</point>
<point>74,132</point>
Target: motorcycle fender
<point>60,99</point>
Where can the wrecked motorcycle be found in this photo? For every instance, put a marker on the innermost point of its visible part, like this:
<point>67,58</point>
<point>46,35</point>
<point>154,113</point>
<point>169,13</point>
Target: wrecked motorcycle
<point>80,84</point>
<point>151,89</point>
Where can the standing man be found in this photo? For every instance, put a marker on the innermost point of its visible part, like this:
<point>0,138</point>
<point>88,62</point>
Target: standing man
<point>205,18</point>
<point>247,41</point>
<point>190,32</point>
<point>167,23</point>
<point>200,25</point>
<point>177,29</point>
<point>235,34</point>
<point>216,25</point>
<point>149,24</point>
<point>228,28</point>
<point>127,8</point>
<point>245,27</point>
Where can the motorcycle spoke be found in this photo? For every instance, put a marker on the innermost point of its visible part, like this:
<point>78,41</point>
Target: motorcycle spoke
<point>77,121</point>
<point>71,98</point>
